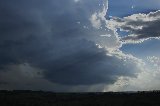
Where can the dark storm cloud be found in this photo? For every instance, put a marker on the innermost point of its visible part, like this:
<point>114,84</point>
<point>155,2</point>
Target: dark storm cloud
<point>150,30</point>
<point>87,65</point>
<point>140,26</point>
<point>45,34</point>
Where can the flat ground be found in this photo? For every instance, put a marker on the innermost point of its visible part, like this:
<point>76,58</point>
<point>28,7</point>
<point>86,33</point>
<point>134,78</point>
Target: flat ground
<point>39,98</point>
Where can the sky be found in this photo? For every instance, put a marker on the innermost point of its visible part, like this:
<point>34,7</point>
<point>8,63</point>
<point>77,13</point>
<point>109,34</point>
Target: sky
<point>80,45</point>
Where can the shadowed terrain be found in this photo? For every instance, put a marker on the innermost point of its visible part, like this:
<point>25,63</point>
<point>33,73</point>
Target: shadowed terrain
<point>40,98</point>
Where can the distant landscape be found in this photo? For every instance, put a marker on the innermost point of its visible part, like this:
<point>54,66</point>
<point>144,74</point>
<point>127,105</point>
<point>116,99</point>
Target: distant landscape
<point>41,98</point>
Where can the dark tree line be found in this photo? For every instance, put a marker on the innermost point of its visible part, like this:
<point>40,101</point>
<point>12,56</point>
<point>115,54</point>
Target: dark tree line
<point>40,98</point>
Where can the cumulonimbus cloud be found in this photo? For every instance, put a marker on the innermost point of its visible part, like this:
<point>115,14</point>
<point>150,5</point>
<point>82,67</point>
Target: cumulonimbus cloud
<point>51,37</point>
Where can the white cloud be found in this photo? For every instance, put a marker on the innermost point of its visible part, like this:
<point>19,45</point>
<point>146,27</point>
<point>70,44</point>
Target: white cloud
<point>98,18</point>
<point>147,79</point>
<point>96,22</point>
<point>76,1</point>
<point>107,35</point>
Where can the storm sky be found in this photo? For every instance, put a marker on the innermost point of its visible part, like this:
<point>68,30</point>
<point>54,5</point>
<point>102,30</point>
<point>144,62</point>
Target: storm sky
<point>80,45</point>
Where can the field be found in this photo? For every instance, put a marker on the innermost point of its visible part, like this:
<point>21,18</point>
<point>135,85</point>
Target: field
<point>40,98</point>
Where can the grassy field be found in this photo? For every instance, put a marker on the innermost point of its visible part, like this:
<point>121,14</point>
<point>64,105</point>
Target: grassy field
<point>39,98</point>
